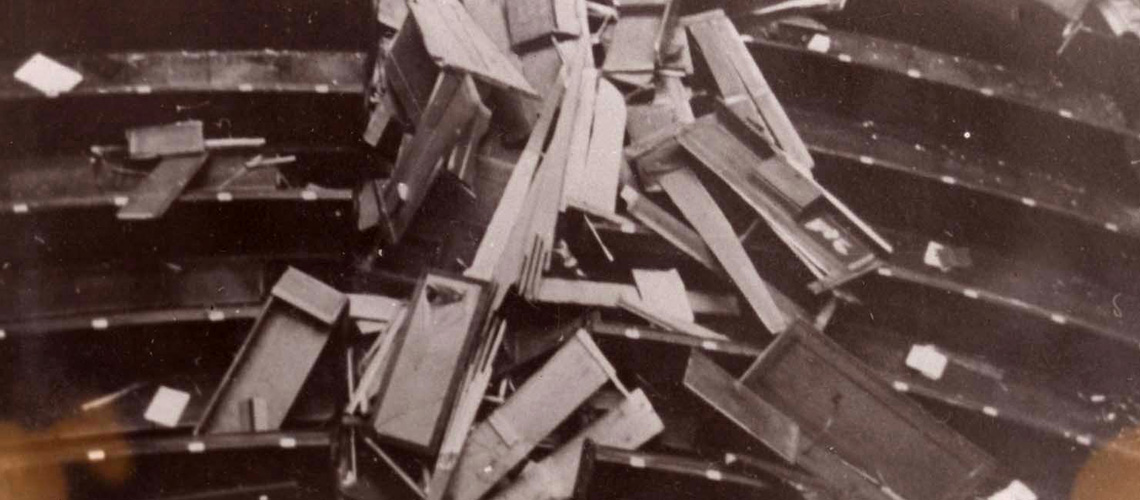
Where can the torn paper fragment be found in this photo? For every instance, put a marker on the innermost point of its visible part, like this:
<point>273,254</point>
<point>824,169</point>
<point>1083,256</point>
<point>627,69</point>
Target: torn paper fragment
<point>167,406</point>
<point>664,292</point>
<point>819,43</point>
<point>933,256</point>
<point>927,361</point>
<point>1016,490</point>
<point>48,76</point>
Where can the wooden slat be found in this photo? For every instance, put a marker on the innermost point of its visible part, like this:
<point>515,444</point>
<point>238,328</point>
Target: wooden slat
<point>310,295</point>
<point>598,185</point>
<point>702,211</point>
<point>610,295</point>
<point>455,41</point>
<point>736,75</point>
<point>153,197</point>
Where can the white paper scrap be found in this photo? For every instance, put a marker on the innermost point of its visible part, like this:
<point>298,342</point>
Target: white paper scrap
<point>48,76</point>
<point>167,406</point>
<point>927,360</point>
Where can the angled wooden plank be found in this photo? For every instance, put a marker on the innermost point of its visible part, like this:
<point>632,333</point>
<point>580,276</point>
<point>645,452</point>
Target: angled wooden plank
<point>664,291</point>
<point>410,72</point>
<point>598,185</point>
<point>277,355</point>
<point>663,223</point>
<point>454,40</point>
<point>661,473</point>
<point>428,361</point>
<point>610,295</point>
<point>702,211</point>
<point>532,20</point>
<point>736,74</point>
<point>628,426</point>
<point>720,390</point>
<point>841,404</point>
<point>542,403</point>
<point>164,184</point>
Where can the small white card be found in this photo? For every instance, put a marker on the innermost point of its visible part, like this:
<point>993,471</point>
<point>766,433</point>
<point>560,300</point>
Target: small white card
<point>48,76</point>
<point>167,406</point>
<point>927,360</point>
<point>819,43</point>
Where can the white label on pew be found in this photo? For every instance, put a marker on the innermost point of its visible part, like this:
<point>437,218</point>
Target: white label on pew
<point>48,76</point>
<point>1016,490</point>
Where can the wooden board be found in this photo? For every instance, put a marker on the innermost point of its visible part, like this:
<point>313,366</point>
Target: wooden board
<point>455,40</point>
<point>664,291</point>
<point>410,71</point>
<point>737,75</point>
<point>162,186</point>
<point>546,399</point>
<point>610,294</point>
<point>278,354</point>
<point>427,361</point>
<point>598,185</point>
<point>627,427</point>
<point>702,211</point>
<point>840,403</point>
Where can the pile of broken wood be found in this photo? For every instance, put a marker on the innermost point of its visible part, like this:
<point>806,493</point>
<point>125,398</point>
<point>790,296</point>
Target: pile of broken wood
<point>646,308</point>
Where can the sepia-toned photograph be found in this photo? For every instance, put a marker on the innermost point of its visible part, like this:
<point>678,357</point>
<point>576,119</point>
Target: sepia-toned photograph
<point>570,250</point>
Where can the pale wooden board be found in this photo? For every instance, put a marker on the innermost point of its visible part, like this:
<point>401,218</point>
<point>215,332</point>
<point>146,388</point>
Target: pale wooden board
<point>310,295</point>
<point>599,183</point>
<point>454,40</point>
<point>580,137</point>
<point>698,206</point>
<point>632,49</point>
<point>606,294</point>
<point>542,403</point>
<point>664,292</point>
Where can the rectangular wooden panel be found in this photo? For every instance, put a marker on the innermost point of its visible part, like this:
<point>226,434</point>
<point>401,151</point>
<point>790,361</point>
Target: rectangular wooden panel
<point>509,434</point>
<point>841,404</point>
<point>276,358</point>
<point>428,359</point>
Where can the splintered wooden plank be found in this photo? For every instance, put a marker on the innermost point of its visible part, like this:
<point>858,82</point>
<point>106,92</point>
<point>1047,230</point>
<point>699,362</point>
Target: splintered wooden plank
<point>659,475</point>
<point>392,13</point>
<point>737,75</point>
<point>543,402</point>
<point>663,223</point>
<point>162,186</point>
<point>580,138</point>
<point>843,405</point>
<point>598,185</point>
<point>627,427</point>
<point>698,206</point>
<point>454,40</point>
<point>764,422</point>
<point>428,360</point>
<point>453,105</point>
<point>277,356</point>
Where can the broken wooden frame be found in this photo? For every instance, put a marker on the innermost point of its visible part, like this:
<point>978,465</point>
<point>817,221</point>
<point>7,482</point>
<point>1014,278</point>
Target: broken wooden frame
<point>628,426</point>
<point>640,41</point>
<point>299,320</point>
<point>543,402</point>
<point>838,403</point>
<point>426,363</point>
